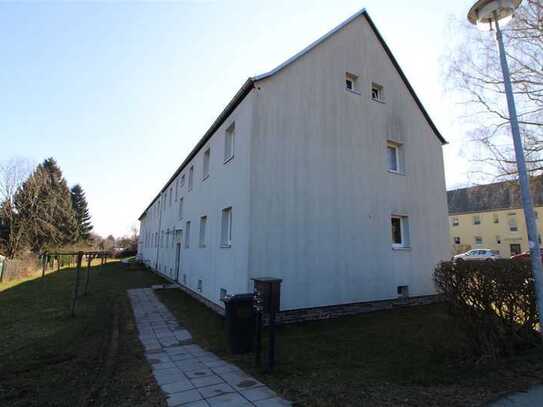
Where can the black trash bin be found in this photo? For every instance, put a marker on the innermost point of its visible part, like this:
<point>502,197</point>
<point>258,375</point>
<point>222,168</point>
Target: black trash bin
<point>240,323</point>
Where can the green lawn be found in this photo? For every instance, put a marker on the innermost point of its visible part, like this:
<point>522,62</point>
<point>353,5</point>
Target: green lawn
<point>410,356</point>
<point>48,358</point>
<point>405,357</point>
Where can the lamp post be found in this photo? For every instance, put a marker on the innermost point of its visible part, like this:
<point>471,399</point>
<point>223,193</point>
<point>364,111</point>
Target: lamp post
<point>489,15</point>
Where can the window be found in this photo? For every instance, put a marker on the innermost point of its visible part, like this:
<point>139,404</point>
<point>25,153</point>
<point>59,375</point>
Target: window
<point>180,208</point>
<point>400,231</point>
<point>205,167</point>
<point>377,92</point>
<point>184,279</point>
<point>393,157</point>
<point>171,195</point>
<point>187,235</point>
<point>457,240</point>
<point>476,220</point>
<point>191,176</point>
<point>498,240</point>
<point>496,218</point>
<point>182,181</point>
<point>478,240</point>
<point>229,142</point>
<point>226,228</point>
<point>455,221</point>
<point>203,224</point>
<point>403,291</point>
<point>222,294</point>
<point>513,222</point>
<point>515,249</point>
<point>176,189</point>
<point>351,82</point>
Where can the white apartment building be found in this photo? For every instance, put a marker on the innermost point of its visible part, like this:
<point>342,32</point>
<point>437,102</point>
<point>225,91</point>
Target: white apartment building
<point>326,172</point>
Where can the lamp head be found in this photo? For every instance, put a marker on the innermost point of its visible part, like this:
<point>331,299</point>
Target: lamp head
<point>485,13</point>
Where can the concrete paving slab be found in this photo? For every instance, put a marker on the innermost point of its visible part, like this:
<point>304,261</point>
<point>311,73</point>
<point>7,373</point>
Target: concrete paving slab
<point>188,374</point>
<point>216,390</point>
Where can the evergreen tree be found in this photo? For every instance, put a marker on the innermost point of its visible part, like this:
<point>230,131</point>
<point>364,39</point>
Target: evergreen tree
<point>82,216</point>
<point>44,203</point>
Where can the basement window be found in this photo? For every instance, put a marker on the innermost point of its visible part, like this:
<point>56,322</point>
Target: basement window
<point>351,82</point>
<point>403,291</point>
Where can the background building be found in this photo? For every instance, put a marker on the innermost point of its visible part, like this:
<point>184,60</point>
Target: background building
<point>490,216</point>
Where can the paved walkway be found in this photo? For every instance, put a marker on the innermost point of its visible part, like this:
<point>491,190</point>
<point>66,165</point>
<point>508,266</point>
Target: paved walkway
<point>531,398</point>
<point>185,372</point>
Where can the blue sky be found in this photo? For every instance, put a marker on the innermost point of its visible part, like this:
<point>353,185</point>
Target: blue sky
<point>120,92</point>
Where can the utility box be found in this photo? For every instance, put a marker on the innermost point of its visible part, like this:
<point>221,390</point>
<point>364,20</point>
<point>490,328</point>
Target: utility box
<point>269,290</point>
<point>240,322</point>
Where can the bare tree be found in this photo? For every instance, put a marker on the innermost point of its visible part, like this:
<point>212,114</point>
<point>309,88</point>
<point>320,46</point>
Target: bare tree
<point>473,69</point>
<point>13,174</point>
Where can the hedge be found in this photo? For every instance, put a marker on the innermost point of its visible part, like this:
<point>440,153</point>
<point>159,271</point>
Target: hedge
<point>493,302</point>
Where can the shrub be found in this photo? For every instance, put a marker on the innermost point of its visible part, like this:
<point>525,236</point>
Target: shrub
<point>493,301</point>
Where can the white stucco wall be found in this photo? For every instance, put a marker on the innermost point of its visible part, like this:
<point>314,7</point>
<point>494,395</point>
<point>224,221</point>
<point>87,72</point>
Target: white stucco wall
<point>226,186</point>
<point>321,196</point>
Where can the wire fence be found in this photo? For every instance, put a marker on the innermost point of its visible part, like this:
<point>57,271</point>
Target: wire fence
<point>16,269</point>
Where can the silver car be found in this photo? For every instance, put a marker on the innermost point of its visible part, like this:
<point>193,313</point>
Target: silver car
<point>478,254</point>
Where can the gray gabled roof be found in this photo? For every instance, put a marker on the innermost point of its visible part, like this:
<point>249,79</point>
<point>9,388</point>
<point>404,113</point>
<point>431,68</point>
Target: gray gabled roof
<point>492,197</point>
<point>250,83</point>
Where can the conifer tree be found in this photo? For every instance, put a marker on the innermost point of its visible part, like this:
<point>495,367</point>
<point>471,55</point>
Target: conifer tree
<point>82,216</point>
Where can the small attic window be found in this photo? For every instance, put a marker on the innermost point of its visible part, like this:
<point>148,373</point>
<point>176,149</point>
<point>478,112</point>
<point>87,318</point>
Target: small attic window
<point>377,92</point>
<point>351,82</point>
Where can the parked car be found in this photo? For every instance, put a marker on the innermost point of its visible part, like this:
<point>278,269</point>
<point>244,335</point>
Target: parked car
<point>525,256</point>
<point>478,254</point>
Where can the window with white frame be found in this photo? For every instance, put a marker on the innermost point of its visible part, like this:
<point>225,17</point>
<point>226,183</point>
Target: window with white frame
<point>180,208</point>
<point>478,240</point>
<point>476,219</point>
<point>187,235</point>
<point>513,227</point>
<point>377,92</point>
<point>226,227</point>
<point>351,82</point>
<point>203,226</point>
<point>455,221</point>
<point>229,139</point>
<point>457,240</point>
<point>205,164</point>
<point>191,177</point>
<point>393,157</point>
<point>400,231</point>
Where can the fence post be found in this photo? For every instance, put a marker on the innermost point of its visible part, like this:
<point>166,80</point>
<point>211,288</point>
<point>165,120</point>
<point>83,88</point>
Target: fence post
<point>89,261</point>
<point>44,265</point>
<point>3,262</point>
<point>76,285</point>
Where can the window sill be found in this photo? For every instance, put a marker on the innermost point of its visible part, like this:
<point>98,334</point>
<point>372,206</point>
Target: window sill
<point>401,248</point>
<point>377,101</point>
<point>226,161</point>
<point>356,92</point>
<point>396,172</point>
<point>226,246</point>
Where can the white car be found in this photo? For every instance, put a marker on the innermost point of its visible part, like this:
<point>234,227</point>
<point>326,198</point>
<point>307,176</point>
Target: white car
<point>478,254</point>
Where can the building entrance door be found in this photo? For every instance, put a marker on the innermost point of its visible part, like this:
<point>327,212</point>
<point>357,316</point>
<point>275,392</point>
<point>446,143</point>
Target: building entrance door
<point>178,245</point>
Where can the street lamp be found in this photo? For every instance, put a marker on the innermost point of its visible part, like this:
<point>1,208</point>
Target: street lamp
<point>489,15</point>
